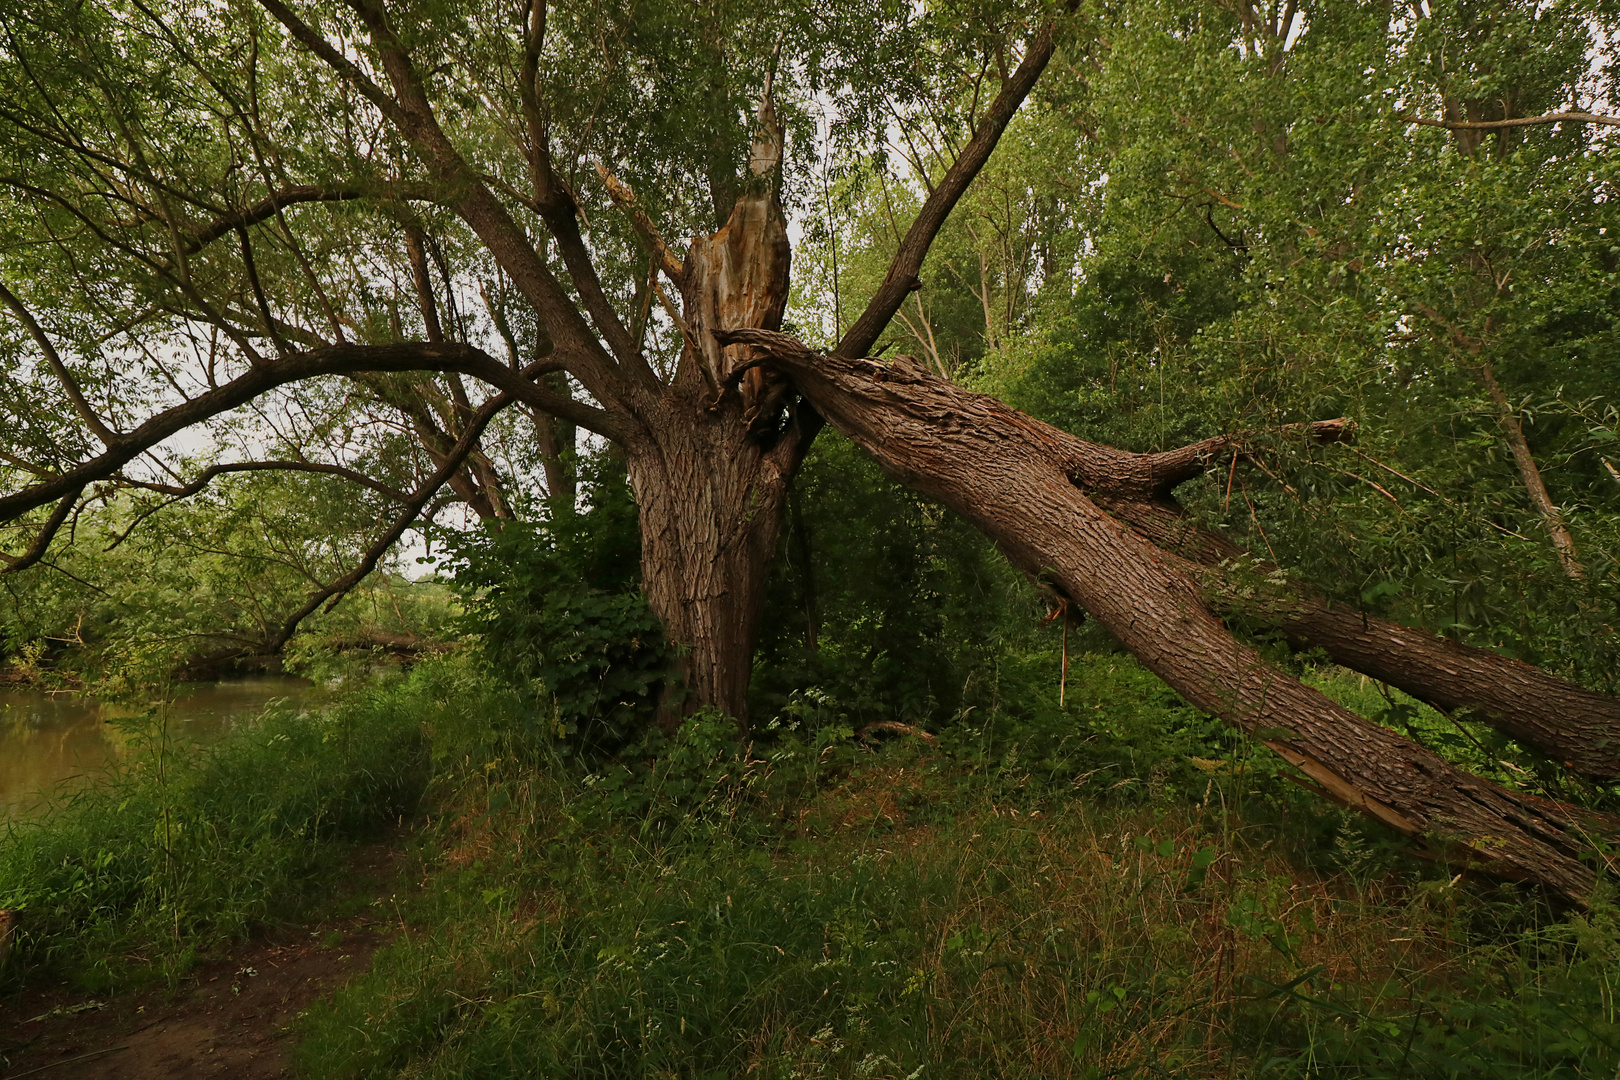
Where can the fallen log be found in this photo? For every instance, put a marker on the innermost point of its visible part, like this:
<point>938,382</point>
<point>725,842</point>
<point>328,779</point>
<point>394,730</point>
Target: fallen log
<point>1021,482</point>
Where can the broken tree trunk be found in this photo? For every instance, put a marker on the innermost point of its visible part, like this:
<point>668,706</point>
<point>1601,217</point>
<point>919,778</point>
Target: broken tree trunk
<point>1038,493</point>
<point>711,470</point>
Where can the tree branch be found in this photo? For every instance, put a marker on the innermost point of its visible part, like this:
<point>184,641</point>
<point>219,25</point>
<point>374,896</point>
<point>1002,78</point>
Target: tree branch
<point>272,204</point>
<point>1167,469</point>
<point>348,69</point>
<point>558,208</point>
<point>42,539</point>
<point>70,385</point>
<point>185,491</point>
<point>328,360</point>
<point>1523,121</point>
<point>335,591</point>
<point>467,194</point>
<point>625,200</point>
<point>908,260</point>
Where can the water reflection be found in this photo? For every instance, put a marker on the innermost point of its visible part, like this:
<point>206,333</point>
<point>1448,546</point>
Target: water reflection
<point>47,740</point>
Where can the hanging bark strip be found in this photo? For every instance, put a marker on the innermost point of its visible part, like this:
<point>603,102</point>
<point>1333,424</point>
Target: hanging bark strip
<point>1018,480</point>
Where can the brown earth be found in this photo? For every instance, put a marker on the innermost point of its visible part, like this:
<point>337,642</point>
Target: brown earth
<point>230,1017</point>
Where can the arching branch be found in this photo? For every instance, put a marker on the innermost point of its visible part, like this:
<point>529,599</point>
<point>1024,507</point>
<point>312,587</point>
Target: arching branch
<point>409,110</point>
<point>70,385</point>
<point>908,260</point>
<point>334,592</point>
<point>327,360</point>
<point>1518,122</point>
<point>277,201</point>
<point>47,532</point>
<point>184,491</point>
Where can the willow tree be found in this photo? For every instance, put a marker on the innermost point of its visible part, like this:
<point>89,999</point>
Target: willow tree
<point>223,209</point>
<point>211,210</point>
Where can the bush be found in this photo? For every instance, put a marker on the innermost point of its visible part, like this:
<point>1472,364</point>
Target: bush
<point>557,608</point>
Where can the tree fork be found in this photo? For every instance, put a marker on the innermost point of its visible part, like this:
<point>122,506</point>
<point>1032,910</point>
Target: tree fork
<point>1004,472</point>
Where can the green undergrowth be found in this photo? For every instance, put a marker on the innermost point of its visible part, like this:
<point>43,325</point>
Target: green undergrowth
<point>183,849</point>
<point>1117,888</point>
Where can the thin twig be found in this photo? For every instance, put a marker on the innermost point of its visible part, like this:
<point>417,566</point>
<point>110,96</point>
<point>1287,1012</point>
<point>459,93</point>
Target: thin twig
<point>1523,121</point>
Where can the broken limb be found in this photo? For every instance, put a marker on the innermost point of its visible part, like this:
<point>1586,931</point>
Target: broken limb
<point>1006,473</point>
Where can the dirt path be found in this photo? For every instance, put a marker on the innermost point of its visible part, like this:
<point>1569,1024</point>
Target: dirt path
<point>230,1016</point>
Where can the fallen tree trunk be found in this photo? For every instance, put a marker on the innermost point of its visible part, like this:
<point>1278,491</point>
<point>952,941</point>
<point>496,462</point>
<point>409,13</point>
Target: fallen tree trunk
<point>1021,482</point>
<point>1577,727</point>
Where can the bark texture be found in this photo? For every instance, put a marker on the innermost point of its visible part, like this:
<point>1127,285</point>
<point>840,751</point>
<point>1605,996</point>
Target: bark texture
<point>710,497</point>
<point>1015,478</point>
<point>1577,727</point>
<point>710,466</point>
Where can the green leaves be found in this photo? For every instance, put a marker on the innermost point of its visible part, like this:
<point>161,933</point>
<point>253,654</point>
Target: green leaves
<point>557,608</point>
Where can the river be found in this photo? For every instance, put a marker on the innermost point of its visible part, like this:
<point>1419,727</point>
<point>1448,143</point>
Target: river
<point>52,741</point>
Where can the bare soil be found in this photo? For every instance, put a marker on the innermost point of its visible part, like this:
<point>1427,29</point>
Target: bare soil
<point>230,1016</point>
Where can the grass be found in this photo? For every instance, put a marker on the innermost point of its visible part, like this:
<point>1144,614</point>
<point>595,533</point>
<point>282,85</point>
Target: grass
<point>1015,902</point>
<point>179,853</point>
<point>1118,889</point>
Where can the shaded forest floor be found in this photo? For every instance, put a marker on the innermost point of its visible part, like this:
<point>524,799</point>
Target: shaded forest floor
<point>232,1016</point>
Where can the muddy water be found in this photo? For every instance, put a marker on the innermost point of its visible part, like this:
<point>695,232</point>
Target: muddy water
<point>52,741</point>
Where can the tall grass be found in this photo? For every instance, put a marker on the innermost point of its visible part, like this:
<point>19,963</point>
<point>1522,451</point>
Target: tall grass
<point>1018,901</point>
<point>1119,888</point>
<point>183,848</point>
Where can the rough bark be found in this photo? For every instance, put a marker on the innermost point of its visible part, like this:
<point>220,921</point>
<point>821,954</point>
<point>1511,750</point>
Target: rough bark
<point>1012,477</point>
<point>710,497</point>
<point>1577,727</point>
<point>712,465</point>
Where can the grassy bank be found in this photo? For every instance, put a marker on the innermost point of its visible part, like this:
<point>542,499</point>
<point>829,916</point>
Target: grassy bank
<point>183,849</point>
<point>1119,889</point>
<point>1127,893</point>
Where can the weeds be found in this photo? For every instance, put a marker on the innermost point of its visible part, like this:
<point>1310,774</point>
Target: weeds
<point>1117,889</point>
<point>1017,901</point>
<point>177,853</point>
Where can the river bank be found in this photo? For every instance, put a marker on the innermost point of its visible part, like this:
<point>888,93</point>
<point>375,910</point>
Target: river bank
<point>1122,889</point>
<point>54,740</point>
<point>232,1016</point>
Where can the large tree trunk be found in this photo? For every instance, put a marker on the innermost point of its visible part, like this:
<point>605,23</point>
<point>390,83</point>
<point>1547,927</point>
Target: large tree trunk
<point>711,499</point>
<point>711,472</point>
<point>1016,479</point>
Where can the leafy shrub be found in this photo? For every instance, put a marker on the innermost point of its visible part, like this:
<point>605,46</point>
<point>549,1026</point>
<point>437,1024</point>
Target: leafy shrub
<point>557,606</point>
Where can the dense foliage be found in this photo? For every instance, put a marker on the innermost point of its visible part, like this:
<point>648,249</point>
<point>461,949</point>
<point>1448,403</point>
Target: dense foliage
<point>557,610</point>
